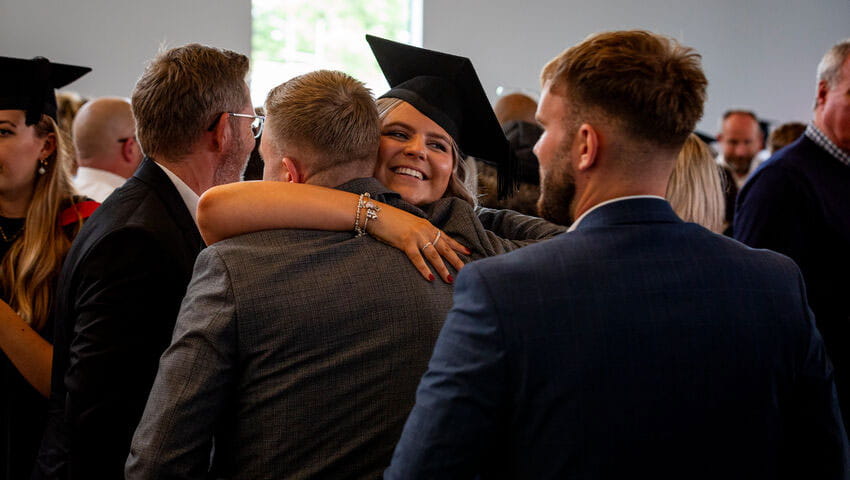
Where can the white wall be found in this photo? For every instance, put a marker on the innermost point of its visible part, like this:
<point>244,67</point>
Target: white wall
<point>117,37</point>
<point>760,54</point>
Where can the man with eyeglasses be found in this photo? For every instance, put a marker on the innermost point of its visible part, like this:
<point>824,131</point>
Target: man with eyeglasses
<point>121,286</point>
<point>106,146</point>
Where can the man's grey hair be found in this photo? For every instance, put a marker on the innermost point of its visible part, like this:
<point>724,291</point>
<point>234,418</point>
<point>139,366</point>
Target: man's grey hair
<point>829,68</point>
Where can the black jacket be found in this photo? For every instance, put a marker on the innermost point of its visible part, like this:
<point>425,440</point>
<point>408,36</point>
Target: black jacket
<point>119,293</point>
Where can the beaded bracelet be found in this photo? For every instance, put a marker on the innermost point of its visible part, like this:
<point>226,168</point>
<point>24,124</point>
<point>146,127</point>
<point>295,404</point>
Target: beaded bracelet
<point>357,229</point>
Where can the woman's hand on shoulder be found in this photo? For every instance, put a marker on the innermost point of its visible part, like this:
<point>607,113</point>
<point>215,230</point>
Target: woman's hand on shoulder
<point>419,240</point>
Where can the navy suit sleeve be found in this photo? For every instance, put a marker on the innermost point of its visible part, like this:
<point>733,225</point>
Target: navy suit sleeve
<point>121,325</point>
<point>461,399</point>
<point>818,446</point>
<point>194,382</point>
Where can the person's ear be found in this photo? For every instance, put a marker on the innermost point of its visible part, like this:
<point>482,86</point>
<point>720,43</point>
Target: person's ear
<point>221,132</point>
<point>48,147</point>
<point>131,152</point>
<point>293,174</point>
<point>823,91</point>
<point>588,145</point>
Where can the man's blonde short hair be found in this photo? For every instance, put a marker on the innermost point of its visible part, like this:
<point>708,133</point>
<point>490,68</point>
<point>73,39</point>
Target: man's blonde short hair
<point>327,113</point>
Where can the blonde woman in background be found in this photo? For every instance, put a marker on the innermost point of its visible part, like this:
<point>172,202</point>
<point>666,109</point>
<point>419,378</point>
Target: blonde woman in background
<point>695,190</point>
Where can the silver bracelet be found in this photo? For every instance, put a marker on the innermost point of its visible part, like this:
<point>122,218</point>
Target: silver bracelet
<point>371,213</point>
<point>357,216</point>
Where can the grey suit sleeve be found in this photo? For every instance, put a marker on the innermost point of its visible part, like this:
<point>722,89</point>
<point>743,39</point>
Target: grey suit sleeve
<point>194,381</point>
<point>512,225</point>
<point>462,396</point>
<point>458,219</point>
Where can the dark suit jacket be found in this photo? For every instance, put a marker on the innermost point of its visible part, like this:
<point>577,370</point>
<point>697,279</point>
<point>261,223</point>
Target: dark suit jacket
<point>637,346</point>
<point>798,204</point>
<point>119,293</point>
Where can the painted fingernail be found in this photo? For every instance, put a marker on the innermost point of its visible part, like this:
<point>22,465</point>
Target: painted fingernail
<point>451,279</point>
<point>430,277</point>
<point>468,251</point>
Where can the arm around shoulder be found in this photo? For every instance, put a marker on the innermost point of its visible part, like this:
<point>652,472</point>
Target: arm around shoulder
<point>238,208</point>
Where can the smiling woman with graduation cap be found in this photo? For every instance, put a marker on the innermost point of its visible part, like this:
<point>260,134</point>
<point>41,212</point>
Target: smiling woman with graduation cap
<point>435,113</point>
<point>39,216</point>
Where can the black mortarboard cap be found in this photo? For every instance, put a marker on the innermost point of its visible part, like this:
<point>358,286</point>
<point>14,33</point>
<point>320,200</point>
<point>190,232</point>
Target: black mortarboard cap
<point>29,85</point>
<point>446,89</point>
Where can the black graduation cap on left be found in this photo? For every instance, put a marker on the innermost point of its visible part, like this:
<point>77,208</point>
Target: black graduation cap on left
<point>29,85</point>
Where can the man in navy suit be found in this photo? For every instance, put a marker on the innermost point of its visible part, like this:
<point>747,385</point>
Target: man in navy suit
<point>635,345</point>
<point>798,204</point>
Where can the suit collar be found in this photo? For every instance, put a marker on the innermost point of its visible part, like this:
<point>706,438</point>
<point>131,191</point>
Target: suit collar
<point>630,211</point>
<point>190,198</point>
<point>157,180</point>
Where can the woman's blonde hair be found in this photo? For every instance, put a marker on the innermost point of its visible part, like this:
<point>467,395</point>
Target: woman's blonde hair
<point>695,189</point>
<point>461,185</point>
<point>34,259</point>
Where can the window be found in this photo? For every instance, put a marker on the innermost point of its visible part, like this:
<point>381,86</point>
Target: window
<point>291,37</point>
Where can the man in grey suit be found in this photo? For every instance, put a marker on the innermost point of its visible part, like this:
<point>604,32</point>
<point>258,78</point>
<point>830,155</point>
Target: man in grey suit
<point>298,351</point>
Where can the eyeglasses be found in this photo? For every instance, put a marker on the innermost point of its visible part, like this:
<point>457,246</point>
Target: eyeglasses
<point>256,124</point>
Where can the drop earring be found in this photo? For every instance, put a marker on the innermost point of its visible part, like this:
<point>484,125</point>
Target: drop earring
<point>42,166</point>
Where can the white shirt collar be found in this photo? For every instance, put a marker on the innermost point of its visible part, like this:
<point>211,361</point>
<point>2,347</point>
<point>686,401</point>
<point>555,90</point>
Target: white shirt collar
<point>95,183</point>
<point>190,198</point>
<point>606,202</point>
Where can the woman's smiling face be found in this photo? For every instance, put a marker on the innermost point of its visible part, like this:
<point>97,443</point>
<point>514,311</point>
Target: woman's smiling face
<point>416,157</point>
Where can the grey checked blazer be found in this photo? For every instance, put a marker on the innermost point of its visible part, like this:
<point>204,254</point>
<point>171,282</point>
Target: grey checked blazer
<point>299,352</point>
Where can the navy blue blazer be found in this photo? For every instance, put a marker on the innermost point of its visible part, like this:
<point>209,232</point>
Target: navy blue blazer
<point>117,301</point>
<point>798,204</point>
<point>637,346</point>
